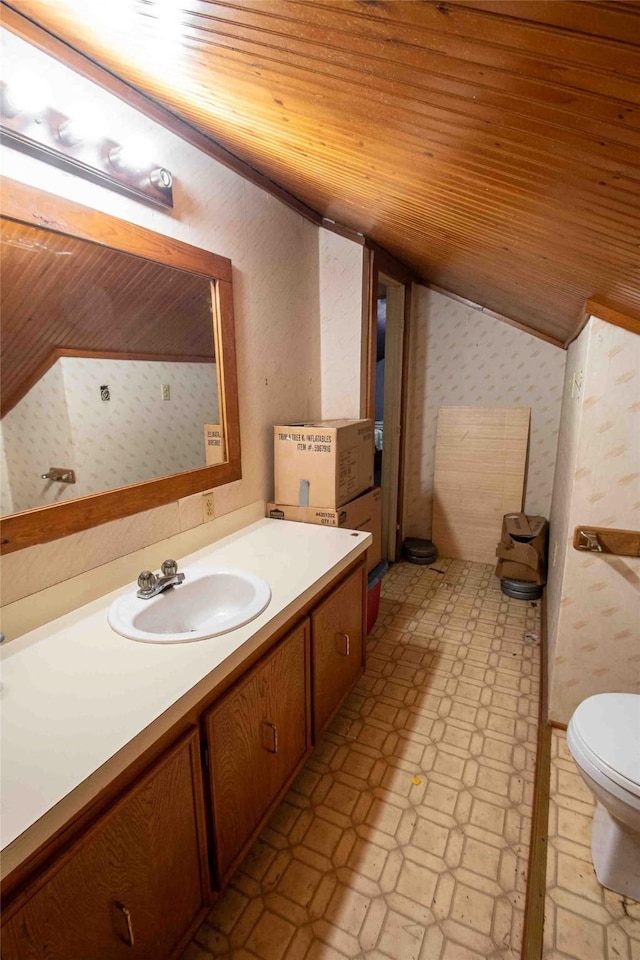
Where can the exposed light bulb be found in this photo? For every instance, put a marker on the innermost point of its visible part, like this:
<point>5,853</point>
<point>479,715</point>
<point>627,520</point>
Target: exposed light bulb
<point>82,125</point>
<point>134,155</point>
<point>24,93</point>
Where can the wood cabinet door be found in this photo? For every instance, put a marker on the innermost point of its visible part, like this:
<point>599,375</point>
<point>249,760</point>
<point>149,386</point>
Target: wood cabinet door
<point>257,735</point>
<point>336,648</point>
<point>131,887</point>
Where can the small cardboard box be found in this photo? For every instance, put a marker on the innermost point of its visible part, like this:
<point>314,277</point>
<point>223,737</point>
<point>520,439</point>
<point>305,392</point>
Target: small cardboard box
<point>522,551</point>
<point>214,451</point>
<point>363,513</point>
<point>323,464</point>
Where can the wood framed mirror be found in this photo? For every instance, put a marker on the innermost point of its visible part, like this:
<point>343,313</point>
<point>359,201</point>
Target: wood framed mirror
<point>89,298</point>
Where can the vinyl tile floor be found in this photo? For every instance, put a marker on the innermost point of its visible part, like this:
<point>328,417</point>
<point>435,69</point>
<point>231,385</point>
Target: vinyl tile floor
<point>582,920</point>
<point>405,836</point>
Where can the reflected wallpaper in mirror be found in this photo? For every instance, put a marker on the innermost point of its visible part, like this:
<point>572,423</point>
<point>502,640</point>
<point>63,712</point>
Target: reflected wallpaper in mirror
<point>108,368</point>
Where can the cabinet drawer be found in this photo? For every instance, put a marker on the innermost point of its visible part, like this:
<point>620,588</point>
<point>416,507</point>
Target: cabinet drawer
<point>257,735</point>
<point>132,885</point>
<point>336,648</point>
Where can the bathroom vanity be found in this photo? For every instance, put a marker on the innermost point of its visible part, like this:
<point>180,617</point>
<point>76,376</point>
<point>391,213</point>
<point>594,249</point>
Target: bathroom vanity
<point>137,775</point>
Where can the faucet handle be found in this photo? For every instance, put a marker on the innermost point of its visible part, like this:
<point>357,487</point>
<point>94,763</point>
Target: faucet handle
<point>169,568</point>
<point>146,581</point>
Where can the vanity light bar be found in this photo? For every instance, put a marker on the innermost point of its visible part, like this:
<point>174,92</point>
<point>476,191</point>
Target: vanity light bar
<point>69,143</point>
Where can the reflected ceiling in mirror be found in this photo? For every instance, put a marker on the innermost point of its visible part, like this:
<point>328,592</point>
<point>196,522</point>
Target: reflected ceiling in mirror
<point>108,367</point>
<point>118,388</point>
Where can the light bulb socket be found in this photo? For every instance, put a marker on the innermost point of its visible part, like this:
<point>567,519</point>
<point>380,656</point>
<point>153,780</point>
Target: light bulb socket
<point>68,134</point>
<point>161,178</point>
<point>117,158</point>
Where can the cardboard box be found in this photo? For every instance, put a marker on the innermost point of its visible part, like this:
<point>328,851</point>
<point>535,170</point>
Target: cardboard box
<point>363,513</point>
<point>323,464</point>
<point>214,450</point>
<point>522,551</point>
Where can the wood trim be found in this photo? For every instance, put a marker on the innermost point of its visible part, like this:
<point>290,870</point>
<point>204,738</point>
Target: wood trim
<point>371,340</point>
<point>44,524</point>
<point>584,320</point>
<point>595,308</point>
<point>383,263</point>
<point>60,352</point>
<point>345,232</point>
<point>365,333</point>
<point>30,205</point>
<point>599,310</point>
<point>499,316</point>
<point>404,412</point>
<point>387,263</point>
<point>224,346</point>
<point>618,543</point>
<point>27,30</point>
<point>558,725</point>
<point>533,926</point>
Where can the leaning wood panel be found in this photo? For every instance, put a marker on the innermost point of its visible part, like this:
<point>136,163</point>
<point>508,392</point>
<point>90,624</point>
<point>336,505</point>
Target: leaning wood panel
<point>479,476</point>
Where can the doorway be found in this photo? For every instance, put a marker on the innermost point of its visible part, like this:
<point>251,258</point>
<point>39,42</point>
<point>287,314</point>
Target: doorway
<point>389,307</point>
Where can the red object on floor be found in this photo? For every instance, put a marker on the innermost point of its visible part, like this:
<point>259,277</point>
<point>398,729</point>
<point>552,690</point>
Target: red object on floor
<point>373,594</point>
<point>373,605</point>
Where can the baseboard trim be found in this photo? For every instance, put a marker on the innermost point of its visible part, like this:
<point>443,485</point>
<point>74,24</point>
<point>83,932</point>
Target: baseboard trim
<point>533,928</point>
<point>557,725</point>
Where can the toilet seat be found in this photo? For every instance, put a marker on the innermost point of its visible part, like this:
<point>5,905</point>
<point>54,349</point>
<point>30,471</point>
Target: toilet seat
<point>605,731</point>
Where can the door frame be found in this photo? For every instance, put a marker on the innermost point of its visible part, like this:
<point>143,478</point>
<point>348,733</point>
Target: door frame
<point>383,268</point>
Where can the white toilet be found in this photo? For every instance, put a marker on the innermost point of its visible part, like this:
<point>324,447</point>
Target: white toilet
<point>604,739</point>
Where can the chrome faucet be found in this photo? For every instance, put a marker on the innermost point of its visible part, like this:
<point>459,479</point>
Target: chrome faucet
<point>151,585</point>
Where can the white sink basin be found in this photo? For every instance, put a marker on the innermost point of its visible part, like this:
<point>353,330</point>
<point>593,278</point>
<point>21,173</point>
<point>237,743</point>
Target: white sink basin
<point>204,605</point>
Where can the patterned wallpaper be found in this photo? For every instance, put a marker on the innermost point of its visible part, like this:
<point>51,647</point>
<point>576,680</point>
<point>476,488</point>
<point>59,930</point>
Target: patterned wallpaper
<point>459,356</point>
<point>134,436</point>
<point>594,600</point>
<point>563,483</point>
<point>274,252</point>
<point>341,265</point>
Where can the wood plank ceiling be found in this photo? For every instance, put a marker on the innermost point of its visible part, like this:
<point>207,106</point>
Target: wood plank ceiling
<point>121,306</point>
<point>492,145</point>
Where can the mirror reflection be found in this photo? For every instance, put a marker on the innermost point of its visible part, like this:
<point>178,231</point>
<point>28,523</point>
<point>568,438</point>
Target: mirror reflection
<point>108,369</point>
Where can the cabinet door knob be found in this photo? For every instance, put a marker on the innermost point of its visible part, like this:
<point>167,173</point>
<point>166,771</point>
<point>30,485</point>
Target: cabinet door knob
<point>269,736</point>
<point>127,915</point>
<point>343,644</point>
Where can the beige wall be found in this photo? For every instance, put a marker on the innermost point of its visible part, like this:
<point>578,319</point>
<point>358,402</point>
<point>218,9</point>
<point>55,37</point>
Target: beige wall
<point>341,267</point>
<point>460,356</point>
<point>275,273</point>
<point>136,436</point>
<point>594,600</point>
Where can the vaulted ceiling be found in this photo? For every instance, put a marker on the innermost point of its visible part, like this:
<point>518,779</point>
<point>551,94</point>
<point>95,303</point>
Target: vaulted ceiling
<point>491,145</point>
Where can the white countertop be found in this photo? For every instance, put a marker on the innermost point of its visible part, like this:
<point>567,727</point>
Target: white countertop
<point>80,703</point>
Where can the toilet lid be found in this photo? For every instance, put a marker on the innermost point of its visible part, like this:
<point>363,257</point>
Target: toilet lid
<point>608,725</point>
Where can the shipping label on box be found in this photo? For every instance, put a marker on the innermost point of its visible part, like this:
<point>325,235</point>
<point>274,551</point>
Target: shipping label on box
<point>214,449</point>
<point>324,464</point>
<point>363,513</point>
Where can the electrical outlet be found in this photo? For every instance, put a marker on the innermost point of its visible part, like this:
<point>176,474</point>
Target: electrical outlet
<point>165,392</point>
<point>207,506</point>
